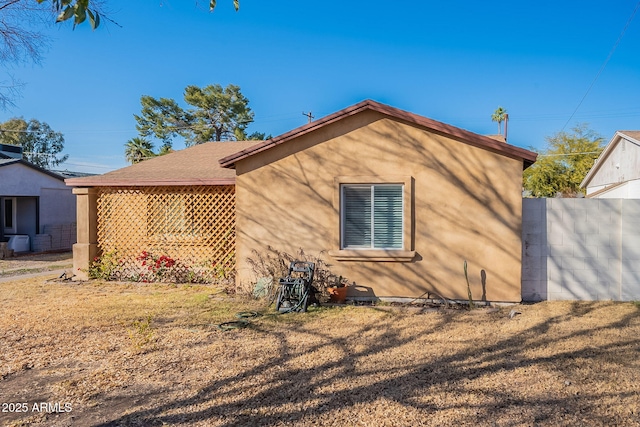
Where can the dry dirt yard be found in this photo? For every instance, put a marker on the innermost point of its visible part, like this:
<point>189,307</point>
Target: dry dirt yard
<point>36,263</point>
<point>113,354</point>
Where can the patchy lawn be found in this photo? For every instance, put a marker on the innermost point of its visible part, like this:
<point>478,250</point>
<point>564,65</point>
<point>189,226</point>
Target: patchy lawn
<point>25,264</point>
<point>106,354</point>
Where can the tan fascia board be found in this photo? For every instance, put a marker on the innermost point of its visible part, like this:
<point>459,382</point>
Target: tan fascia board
<point>528,157</point>
<point>229,161</point>
<point>88,182</point>
<point>465,136</point>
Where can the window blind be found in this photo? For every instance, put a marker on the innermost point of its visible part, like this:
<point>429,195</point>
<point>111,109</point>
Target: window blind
<point>372,216</point>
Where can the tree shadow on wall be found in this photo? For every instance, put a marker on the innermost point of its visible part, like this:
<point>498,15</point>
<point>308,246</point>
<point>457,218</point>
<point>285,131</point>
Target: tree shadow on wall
<point>288,220</point>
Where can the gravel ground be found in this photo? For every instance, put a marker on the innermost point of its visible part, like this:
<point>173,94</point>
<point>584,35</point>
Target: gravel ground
<point>108,354</point>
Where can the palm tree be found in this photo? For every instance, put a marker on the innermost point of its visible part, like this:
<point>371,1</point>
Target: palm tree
<point>499,116</point>
<point>138,149</point>
<point>165,149</point>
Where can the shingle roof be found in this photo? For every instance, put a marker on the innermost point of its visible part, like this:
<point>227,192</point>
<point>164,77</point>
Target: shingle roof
<point>197,165</point>
<point>635,134</point>
<point>72,174</point>
<point>462,135</point>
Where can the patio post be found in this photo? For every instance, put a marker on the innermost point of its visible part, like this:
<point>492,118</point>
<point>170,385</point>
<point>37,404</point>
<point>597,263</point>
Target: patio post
<point>86,249</point>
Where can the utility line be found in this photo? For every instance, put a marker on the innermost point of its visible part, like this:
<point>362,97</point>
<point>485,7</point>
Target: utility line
<point>87,165</point>
<point>620,112</point>
<point>568,154</point>
<point>604,64</point>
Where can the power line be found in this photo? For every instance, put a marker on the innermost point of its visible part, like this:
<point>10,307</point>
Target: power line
<point>260,119</point>
<point>17,131</point>
<point>604,64</point>
<point>568,154</point>
<point>88,165</point>
<point>33,153</point>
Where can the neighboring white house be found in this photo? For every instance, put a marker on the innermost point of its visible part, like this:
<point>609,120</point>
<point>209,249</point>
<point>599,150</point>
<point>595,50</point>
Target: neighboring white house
<point>34,202</point>
<point>616,172</point>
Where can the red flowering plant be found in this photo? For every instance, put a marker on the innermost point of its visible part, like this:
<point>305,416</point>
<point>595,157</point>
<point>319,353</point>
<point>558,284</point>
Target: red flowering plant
<point>163,268</point>
<point>149,267</point>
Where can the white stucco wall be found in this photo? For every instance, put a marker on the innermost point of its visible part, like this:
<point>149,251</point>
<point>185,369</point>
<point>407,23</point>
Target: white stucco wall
<point>57,203</point>
<point>621,163</point>
<point>19,180</point>
<point>57,206</point>
<point>628,190</point>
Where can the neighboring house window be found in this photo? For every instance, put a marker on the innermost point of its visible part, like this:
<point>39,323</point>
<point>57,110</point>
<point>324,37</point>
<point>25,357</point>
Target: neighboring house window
<point>372,216</point>
<point>10,215</point>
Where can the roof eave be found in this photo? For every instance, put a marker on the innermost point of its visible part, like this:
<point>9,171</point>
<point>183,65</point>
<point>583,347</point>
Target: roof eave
<point>229,161</point>
<point>93,182</point>
<point>606,189</point>
<point>35,167</point>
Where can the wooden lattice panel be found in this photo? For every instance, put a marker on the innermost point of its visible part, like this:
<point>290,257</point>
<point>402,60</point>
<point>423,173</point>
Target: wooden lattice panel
<point>195,224</point>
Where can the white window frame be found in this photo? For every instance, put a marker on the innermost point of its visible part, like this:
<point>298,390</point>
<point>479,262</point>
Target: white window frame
<point>372,188</point>
<point>407,253</point>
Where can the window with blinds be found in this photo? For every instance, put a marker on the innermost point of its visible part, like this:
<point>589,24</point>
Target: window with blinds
<point>372,216</point>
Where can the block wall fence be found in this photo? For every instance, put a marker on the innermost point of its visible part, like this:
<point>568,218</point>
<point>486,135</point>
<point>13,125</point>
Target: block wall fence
<point>580,249</point>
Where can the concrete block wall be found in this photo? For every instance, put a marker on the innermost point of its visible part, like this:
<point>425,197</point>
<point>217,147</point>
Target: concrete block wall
<point>42,243</point>
<point>630,265</point>
<point>534,249</point>
<point>61,236</point>
<point>581,249</point>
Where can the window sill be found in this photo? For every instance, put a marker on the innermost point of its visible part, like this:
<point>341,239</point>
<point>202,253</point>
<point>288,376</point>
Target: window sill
<point>373,255</point>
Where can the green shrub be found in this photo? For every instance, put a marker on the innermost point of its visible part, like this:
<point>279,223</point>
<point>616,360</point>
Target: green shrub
<point>105,267</point>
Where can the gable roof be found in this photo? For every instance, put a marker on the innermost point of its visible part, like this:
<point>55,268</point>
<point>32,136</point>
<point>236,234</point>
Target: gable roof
<point>605,189</point>
<point>6,161</point>
<point>630,135</point>
<point>197,165</point>
<point>462,135</point>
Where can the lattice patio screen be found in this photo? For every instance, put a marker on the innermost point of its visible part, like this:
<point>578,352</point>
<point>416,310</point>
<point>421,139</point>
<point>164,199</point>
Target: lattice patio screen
<point>195,224</point>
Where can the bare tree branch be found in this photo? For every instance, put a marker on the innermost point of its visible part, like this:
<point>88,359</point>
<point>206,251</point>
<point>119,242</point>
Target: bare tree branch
<point>19,42</point>
<point>9,92</point>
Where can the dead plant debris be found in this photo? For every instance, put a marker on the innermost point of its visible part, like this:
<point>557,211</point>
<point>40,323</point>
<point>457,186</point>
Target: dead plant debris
<point>113,354</point>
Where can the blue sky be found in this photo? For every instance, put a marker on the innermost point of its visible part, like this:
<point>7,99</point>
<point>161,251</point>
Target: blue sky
<point>453,61</point>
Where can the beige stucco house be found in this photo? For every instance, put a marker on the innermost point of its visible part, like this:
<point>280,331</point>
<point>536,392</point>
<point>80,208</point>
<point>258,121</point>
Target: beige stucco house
<point>395,202</point>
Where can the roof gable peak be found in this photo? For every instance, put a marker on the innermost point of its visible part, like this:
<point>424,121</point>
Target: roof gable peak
<point>462,135</point>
